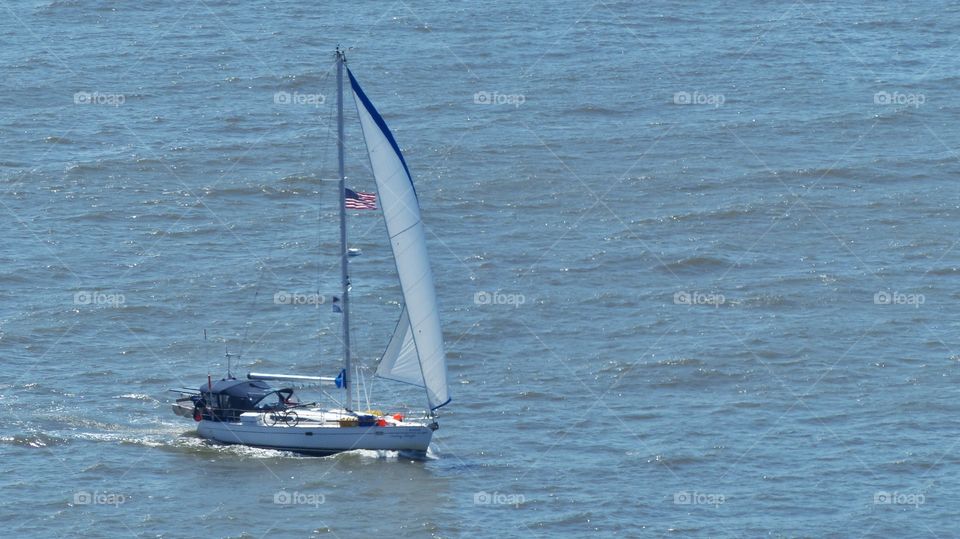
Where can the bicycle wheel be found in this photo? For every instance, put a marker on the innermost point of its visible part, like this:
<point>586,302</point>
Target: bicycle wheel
<point>291,419</point>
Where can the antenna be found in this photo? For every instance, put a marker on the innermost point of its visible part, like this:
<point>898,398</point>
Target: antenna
<point>226,352</point>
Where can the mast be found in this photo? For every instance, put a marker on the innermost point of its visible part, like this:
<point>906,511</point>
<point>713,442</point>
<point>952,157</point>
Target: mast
<point>344,277</point>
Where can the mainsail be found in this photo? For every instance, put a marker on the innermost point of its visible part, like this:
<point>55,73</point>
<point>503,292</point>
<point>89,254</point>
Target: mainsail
<point>415,353</point>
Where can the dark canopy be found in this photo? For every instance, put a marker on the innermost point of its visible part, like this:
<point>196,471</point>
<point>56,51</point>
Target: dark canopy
<point>244,389</point>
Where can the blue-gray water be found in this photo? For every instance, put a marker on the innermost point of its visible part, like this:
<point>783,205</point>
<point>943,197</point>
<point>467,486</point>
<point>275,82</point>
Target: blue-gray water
<point>719,239</point>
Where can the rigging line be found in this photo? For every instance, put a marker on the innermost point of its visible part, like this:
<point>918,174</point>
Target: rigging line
<point>253,303</point>
<point>323,159</point>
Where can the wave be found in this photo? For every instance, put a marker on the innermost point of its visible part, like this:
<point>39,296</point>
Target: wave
<point>673,461</point>
<point>36,440</point>
<point>85,167</point>
<point>14,174</point>
<point>833,172</point>
<point>312,81</point>
<point>730,213</point>
<point>297,187</point>
<point>884,24</point>
<point>694,264</point>
<point>371,454</point>
<point>182,437</point>
<point>678,362</point>
<point>773,300</point>
<point>176,438</point>
<point>595,110</point>
<point>639,416</point>
<point>191,442</point>
<point>122,438</point>
<point>538,396</point>
<point>136,397</point>
<point>141,160</point>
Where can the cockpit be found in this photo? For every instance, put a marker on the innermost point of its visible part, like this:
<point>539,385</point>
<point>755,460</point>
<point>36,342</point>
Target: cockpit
<point>225,400</point>
<point>280,399</point>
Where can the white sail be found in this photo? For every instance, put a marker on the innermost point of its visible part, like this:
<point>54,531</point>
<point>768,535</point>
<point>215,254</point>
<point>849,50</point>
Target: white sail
<point>400,361</point>
<point>401,211</point>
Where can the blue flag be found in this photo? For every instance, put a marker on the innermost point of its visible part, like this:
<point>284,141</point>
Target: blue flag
<point>339,380</point>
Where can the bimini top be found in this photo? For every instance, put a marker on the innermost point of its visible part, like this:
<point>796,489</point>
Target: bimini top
<point>252,390</point>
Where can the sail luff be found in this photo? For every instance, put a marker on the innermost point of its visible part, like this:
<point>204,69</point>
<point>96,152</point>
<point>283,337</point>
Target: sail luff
<point>401,212</point>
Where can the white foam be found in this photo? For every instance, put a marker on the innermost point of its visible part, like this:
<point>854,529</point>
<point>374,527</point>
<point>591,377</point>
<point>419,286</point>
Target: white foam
<point>136,396</point>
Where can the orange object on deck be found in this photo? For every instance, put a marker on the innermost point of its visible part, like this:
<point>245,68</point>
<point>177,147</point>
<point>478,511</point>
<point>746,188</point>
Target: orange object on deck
<point>381,422</point>
<point>398,417</point>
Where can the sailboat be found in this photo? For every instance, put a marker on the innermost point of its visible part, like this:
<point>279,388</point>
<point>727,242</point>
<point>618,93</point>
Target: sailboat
<point>255,412</point>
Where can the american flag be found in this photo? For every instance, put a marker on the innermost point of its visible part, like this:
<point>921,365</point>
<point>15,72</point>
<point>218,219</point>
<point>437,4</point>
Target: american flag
<point>360,201</point>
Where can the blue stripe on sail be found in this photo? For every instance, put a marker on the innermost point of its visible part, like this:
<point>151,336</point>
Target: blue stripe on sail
<point>382,125</point>
<point>444,404</point>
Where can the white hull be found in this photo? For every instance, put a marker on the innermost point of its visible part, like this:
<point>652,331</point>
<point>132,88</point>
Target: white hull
<point>316,437</point>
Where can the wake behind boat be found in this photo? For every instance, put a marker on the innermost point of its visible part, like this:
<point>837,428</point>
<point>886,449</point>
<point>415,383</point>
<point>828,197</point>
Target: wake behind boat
<point>252,412</point>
